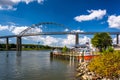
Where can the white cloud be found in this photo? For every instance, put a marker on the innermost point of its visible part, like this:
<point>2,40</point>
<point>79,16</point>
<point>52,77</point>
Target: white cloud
<point>35,30</point>
<point>114,21</point>
<point>7,8</point>
<point>34,38</point>
<point>40,1</point>
<point>3,27</point>
<point>94,14</point>
<point>50,40</point>
<point>69,41</point>
<point>115,40</point>
<point>8,4</point>
<point>66,29</point>
<point>45,40</point>
<point>17,30</point>
<point>13,28</point>
<point>84,39</point>
<point>77,30</point>
<point>2,41</point>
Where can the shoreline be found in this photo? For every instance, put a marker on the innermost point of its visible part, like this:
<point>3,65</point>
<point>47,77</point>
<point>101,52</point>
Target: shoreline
<point>81,69</point>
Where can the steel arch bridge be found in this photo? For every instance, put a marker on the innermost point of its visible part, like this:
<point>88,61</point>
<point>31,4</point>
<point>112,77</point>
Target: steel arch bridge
<point>28,32</point>
<point>42,28</point>
<point>48,27</point>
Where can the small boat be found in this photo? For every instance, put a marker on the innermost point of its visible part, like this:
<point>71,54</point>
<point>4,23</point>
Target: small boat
<point>56,51</point>
<point>85,53</point>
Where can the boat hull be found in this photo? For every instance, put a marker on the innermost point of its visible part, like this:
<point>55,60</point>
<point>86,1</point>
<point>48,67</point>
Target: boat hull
<point>87,57</point>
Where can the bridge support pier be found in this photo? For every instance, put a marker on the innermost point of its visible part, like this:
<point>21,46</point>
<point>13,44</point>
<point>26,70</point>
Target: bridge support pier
<point>76,39</point>
<point>7,43</point>
<point>117,39</point>
<point>19,42</point>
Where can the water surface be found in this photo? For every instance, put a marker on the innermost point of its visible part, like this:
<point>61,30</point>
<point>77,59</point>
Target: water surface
<point>34,65</point>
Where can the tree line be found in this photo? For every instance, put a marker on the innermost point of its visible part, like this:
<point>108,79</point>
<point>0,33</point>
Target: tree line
<point>24,46</point>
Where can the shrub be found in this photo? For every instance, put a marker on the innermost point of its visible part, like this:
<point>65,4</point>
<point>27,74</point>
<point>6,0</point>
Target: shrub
<point>106,65</point>
<point>65,49</point>
<point>108,50</point>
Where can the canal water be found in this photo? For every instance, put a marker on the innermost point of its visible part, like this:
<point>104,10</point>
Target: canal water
<point>34,65</point>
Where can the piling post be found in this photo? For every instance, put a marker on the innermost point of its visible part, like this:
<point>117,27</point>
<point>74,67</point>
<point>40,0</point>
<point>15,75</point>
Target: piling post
<point>117,39</point>
<point>7,43</point>
<point>76,39</point>
<point>19,44</point>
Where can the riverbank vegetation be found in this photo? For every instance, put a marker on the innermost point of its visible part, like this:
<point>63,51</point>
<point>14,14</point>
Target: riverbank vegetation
<point>64,49</point>
<point>26,47</point>
<point>106,65</point>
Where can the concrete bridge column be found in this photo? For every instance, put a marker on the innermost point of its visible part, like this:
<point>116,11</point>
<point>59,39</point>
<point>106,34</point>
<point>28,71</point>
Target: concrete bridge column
<point>76,39</point>
<point>7,43</point>
<point>117,39</point>
<point>19,46</point>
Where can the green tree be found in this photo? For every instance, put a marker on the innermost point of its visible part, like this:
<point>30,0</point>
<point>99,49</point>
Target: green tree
<point>65,49</point>
<point>101,41</point>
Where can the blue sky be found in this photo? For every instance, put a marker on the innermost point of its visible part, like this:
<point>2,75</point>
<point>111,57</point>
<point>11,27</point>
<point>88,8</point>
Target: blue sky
<point>79,15</point>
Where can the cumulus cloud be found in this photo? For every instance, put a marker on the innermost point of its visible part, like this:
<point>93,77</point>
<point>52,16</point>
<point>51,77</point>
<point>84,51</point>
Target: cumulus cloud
<point>17,30</point>
<point>4,7</point>
<point>69,41</point>
<point>2,41</point>
<point>35,30</point>
<point>45,40</point>
<point>3,27</point>
<point>84,39</point>
<point>114,21</point>
<point>66,30</point>
<point>40,1</point>
<point>115,40</point>
<point>94,14</point>
<point>77,30</point>
<point>13,28</point>
<point>48,40</point>
<point>9,4</point>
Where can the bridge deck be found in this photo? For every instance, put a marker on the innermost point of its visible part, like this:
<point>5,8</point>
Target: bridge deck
<point>57,33</point>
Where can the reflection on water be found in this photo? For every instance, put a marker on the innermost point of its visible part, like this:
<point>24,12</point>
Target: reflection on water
<point>18,53</point>
<point>34,65</point>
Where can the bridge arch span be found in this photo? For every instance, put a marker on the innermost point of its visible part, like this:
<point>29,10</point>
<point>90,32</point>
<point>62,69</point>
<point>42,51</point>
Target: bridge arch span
<point>44,27</point>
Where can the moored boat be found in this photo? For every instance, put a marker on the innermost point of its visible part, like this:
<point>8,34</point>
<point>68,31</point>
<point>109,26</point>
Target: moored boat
<point>84,52</point>
<point>56,51</point>
<point>87,54</point>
